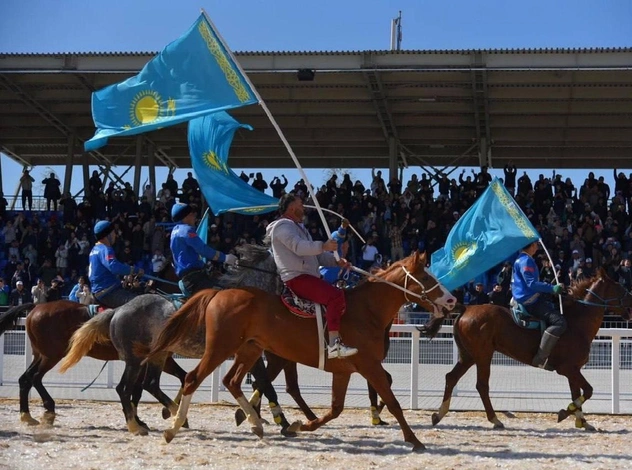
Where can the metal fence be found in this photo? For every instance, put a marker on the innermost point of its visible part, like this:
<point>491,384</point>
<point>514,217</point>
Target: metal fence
<point>418,367</point>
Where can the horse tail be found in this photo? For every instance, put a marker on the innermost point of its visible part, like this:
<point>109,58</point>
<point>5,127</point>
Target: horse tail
<point>96,330</point>
<point>181,323</point>
<point>8,318</point>
<point>430,329</point>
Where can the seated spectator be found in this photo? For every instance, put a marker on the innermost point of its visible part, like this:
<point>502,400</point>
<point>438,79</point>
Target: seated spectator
<point>19,295</point>
<point>39,292</point>
<point>498,296</point>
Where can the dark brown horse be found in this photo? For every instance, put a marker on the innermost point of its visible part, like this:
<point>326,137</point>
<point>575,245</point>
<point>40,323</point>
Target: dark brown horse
<point>243,322</point>
<point>49,327</point>
<point>482,329</point>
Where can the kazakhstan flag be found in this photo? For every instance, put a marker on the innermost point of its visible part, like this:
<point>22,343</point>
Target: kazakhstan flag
<point>488,233</point>
<point>209,143</point>
<point>193,76</point>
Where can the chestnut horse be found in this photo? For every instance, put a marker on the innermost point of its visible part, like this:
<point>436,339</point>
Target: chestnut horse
<point>245,321</point>
<point>49,327</point>
<point>482,329</point>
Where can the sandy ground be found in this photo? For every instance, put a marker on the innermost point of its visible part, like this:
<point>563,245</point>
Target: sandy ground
<point>92,435</point>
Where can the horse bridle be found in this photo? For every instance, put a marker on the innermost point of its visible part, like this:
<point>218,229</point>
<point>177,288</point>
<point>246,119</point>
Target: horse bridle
<point>424,292</point>
<point>606,302</point>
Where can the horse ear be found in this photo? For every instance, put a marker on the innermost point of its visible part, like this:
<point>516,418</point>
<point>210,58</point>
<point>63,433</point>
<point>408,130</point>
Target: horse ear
<point>422,257</point>
<point>601,273</point>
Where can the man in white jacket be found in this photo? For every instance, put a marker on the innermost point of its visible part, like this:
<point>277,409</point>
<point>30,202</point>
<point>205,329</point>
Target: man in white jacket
<point>298,257</point>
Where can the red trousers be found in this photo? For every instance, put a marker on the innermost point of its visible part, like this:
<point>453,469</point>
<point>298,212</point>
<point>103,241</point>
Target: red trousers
<point>320,291</point>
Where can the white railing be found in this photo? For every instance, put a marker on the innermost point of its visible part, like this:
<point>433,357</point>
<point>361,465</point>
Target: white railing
<point>409,352</point>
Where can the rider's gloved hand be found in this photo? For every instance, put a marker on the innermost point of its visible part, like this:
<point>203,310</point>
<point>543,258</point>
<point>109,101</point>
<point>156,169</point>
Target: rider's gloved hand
<point>231,259</point>
<point>557,289</point>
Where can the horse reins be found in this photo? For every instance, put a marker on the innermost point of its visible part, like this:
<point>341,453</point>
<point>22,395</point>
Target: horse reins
<point>605,302</point>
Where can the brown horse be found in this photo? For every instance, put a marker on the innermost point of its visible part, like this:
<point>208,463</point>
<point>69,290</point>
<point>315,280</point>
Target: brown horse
<point>483,329</point>
<point>50,326</point>
<point>245,321</point>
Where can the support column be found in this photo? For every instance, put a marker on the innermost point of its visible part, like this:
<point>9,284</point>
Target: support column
<point>482,152</point>
<point>392,158</point>
<point>137,164</point>
<point>69,157</point>
<point>151,163</point>
<point>1,188</point>
<point>86,173</point>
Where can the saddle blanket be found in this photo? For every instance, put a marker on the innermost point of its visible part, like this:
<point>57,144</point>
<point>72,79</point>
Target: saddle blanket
<point>300,307</point>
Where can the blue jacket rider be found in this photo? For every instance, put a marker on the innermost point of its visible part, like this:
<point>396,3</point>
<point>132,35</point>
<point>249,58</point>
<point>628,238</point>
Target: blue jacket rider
<point>105,268</point>
<point>188,251</point>
<point>527,290</point>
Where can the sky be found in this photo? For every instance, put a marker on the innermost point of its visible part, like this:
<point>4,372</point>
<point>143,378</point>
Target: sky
<point>283,25</point>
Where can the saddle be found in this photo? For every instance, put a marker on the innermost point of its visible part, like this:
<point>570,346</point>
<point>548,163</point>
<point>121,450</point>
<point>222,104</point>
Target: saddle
<point>524,319</point>
<point>300,307</point>
<point>95,309</point>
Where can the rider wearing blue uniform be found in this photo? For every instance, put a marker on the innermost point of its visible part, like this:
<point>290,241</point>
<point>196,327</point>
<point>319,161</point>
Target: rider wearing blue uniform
<point>188,251</point>
<point>105,268</point>
<point>527,290</point>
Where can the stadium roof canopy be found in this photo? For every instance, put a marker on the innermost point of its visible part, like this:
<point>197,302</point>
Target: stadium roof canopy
<point>540,108</point>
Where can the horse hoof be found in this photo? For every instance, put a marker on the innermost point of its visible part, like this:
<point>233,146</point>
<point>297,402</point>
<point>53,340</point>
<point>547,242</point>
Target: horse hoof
<point>49,418</point>
<point>285,432</point>
<point>499,425</point>
<point>142,431</point>
<point>257,431</point>
<point>562,415</point>
<point>169,435</point>
<point>435,419</point>
<point>240,416</point>
<point>378,422</point>
<point>419,448</point>
<point>589,427</point>
<point>186,423</point>
<point>166,414</point>
<point>294,427</point>
<point>28,419</point>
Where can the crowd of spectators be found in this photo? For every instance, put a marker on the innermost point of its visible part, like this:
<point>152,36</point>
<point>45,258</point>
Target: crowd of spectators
<point>584,226</point>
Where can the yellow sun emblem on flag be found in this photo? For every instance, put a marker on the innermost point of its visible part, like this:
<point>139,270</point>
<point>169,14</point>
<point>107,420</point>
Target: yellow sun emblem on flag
<point>145,107</point>
<point>212,160</point>
<point>462,252</point>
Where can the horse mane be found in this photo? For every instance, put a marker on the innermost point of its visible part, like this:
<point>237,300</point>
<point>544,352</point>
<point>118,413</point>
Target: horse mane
<point>577,290</point>
<point>250,256</point>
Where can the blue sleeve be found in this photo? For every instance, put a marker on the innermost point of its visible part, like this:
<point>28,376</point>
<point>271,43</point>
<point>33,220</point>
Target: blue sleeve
<point>113,265</point>
<point>203,249</point>
<point>528,274</point>
<point>73,293</point>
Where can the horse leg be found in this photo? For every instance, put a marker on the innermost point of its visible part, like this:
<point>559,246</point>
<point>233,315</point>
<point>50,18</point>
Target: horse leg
<point>483,368</point>
<point>245,358</point>
<point>451,379</point>
<point>45,364</point>
<point>152,385</point>
<point>210,361</point>
<point>171,367</point>
<point>126,389</point>
<point>376,408</point>
<point>26,383</point>
<point>340,382</point>
<point>292,388</point>
<point>577,382</point>
<point>376,375</point>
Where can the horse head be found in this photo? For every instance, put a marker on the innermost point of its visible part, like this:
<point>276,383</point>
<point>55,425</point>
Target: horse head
<point>603,291</point>
<point>430,292</point>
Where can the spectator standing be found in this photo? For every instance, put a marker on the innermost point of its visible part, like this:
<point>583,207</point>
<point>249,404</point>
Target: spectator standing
<point>77,288</point>
<point>3,206</point>
<point>85,295</point>
<point>172,185</point>
<point>39,292</point>
<point>259,183</point>
<point>369,253</point>
<point>61,257</point>
<point>277,187</point>
<point>95,184</point>
<point>52,193</point>
<point>510,177</point>
<point>69,207</point>
<point>478,296</point>
<point>54,293</point>
<point>158,261</point>
<point>19,295</point>
<point>26,180</point>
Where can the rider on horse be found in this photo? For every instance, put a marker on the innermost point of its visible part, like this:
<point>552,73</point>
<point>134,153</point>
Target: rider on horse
<point>188,249</point>
<point>297,258</point>
<point>527,289</point>
<point>105,268</point>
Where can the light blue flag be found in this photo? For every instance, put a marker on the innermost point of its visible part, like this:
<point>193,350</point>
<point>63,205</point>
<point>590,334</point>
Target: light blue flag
<point>209,143</point>
<point>193,76</point>
<point>489,232</point>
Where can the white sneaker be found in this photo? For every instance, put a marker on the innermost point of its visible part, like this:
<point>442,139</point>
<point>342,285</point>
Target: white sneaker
<point>339,350</point>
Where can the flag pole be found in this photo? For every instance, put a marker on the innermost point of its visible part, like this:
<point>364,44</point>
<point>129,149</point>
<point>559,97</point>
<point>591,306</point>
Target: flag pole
<point>276,127</point>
